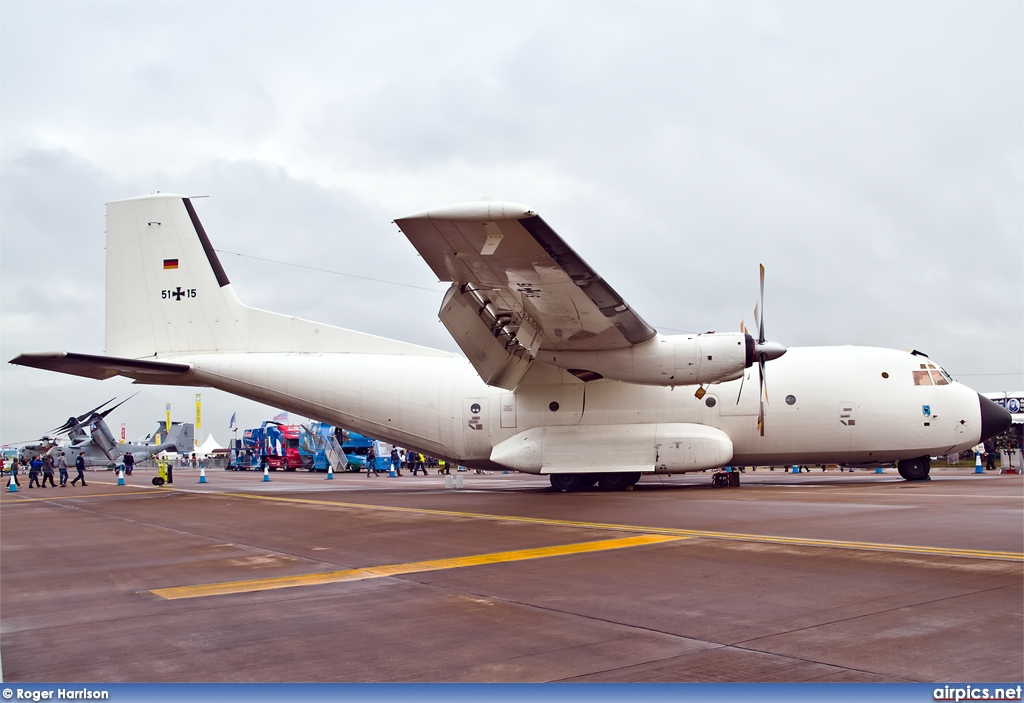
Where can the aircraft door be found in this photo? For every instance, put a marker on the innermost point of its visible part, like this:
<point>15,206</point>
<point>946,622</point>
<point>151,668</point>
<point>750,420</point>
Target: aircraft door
<point>476,428</point>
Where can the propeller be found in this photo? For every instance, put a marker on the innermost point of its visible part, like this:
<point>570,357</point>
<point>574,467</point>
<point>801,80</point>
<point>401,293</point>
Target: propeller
<point>764,351</point>
<point>75,421</point>
<point>110,410</point>
<point>45,439</point>
<point>84,418</point>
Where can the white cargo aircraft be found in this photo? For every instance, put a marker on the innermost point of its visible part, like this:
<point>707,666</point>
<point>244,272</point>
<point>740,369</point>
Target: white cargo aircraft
<point>561,376</point>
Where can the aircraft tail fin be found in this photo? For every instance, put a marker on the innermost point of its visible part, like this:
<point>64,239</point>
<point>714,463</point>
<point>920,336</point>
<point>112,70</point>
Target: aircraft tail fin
<point>165,284</point>
<point>180,439</point>
<point>168,294</point>
<point>182,436</point>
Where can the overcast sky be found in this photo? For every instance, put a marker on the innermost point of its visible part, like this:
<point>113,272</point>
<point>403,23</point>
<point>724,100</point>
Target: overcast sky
<point>870,154</point>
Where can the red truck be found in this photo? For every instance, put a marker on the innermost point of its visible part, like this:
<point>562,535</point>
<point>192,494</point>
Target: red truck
<point>272,445</point>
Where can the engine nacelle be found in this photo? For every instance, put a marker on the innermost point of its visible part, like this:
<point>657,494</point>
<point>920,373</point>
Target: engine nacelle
<point>103,438</point>
<point>675,360</point>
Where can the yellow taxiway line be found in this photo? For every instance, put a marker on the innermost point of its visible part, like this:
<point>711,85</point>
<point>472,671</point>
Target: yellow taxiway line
<point>669,531</point>
<point>731,536</point>
<point>267,584</point>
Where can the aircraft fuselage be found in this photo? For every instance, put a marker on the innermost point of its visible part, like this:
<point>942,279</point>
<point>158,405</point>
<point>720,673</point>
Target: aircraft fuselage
<point>847,405</point>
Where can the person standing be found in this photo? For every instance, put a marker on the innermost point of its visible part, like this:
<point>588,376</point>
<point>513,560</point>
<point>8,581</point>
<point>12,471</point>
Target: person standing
<point>416,462</point>
<point>990,455</point>
<point>62,468</point>
<point>48,471</point>
<point>80,468</point>
<point>15,468</point>
<point>34,468</point>
<point>129,463</point>
<point>396,461</point>
<point>371,463</point>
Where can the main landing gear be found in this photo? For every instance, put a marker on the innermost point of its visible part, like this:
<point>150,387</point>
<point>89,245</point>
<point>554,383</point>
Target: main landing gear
<point>618,481</point>
<point>915,469</point>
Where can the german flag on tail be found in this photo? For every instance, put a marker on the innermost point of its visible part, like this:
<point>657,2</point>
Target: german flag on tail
<point>170,264</point>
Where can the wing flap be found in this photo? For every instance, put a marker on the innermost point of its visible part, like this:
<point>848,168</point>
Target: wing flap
<point>495,355</point>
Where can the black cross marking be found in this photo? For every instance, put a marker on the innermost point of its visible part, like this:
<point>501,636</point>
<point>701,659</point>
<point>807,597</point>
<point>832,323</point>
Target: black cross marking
<point>178,293</point>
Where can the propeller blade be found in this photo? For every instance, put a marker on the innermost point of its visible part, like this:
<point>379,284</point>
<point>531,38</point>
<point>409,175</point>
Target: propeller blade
<point>74,421</point>
<point>764,384</point>
<point>107,412</point>
<point>742,379</point>
<point>760,335</point>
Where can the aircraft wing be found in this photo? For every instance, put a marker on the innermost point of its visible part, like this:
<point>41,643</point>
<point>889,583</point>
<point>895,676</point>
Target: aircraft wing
<point>102,367</point>
<point>524,278</point>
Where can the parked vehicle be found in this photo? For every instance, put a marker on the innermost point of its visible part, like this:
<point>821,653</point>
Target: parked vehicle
<point>320,447</point>
<point>357,448</point>
<point>271,445</point>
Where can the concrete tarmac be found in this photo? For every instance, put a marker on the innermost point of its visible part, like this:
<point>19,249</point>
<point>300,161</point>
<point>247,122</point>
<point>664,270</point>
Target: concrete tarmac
<point>812,577</point>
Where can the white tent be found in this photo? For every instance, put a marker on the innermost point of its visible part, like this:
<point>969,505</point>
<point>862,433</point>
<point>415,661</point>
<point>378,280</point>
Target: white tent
<point>208,446</point>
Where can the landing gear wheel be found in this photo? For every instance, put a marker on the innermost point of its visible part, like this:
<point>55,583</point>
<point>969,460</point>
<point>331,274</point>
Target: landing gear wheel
<point>915,469</point>
<point>570,483</point>
<point>619,481</point>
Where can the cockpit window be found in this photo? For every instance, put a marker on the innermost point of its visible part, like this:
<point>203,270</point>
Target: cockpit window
<point>929,375</point>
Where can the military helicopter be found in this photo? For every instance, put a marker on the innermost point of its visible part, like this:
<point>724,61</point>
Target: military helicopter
<point>89,433</point>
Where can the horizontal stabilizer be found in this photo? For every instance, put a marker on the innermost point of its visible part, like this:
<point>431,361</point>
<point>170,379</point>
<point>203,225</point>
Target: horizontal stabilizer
<point>101,367</point>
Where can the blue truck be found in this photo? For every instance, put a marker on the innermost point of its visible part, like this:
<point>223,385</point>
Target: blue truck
<point>357,448</point>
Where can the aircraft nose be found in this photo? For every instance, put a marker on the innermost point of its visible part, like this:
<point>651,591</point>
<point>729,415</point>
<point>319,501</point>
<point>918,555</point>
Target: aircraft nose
<point>994,419</point>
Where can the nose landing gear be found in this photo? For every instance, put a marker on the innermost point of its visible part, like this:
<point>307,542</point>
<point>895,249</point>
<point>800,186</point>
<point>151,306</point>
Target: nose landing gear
<point>915,469</point>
